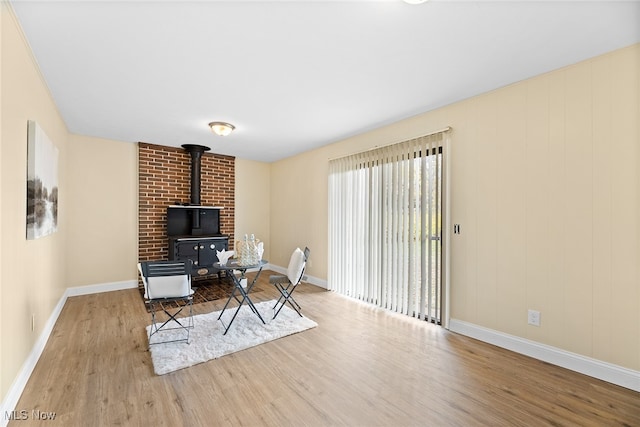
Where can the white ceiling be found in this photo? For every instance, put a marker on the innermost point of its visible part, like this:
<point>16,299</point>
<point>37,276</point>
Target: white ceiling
<point>296,75</point>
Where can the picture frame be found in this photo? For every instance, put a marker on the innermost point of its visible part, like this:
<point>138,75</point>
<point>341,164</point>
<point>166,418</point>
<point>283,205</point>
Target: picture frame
<point>42,183</point>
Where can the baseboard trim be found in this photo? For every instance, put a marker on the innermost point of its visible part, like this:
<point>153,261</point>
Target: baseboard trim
<point>102,287</point>
<point>609,372</point>
<point>307,279</point>
<point>19,383</point>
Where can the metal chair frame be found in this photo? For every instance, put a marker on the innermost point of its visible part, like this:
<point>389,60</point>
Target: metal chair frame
<point>150,269</point>
<point>286,288</point>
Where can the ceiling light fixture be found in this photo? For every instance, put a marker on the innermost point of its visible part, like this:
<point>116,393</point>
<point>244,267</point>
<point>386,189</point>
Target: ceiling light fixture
<point>221,128</point>
<point>415,1</point>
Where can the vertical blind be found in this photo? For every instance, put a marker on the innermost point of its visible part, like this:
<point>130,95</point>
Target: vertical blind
<point>385,226</point>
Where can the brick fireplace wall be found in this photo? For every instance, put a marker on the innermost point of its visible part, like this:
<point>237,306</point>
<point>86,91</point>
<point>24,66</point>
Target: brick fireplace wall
<point>164,178</point>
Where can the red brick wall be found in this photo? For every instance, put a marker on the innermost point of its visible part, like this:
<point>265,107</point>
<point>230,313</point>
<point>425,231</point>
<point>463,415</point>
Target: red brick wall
<point>164,179</point>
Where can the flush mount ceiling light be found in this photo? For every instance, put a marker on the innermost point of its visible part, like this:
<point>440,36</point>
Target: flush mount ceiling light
<point>221,128</point>
<point>415,1</point>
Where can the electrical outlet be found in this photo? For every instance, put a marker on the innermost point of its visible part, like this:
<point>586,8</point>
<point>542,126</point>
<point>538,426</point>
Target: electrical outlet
<point>533,317</point>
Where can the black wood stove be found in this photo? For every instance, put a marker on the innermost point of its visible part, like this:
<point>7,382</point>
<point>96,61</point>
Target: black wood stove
<point>194,230</point>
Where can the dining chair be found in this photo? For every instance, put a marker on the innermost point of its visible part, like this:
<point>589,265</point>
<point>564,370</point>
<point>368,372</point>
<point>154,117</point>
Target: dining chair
<point>167,292</point>
<point>286,284</point>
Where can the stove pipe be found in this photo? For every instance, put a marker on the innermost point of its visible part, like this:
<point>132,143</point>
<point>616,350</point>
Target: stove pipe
<point>196,156</point>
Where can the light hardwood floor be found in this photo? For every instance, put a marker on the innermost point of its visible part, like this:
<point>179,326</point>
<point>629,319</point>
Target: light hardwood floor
<point>360,367</point>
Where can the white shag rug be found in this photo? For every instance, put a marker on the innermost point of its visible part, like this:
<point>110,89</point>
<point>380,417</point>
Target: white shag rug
<point>207,341</point>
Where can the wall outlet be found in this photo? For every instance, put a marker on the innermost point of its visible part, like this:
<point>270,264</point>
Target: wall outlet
<point>533,317</point>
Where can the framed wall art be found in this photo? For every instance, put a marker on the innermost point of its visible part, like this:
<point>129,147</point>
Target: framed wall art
<point>42,183</point>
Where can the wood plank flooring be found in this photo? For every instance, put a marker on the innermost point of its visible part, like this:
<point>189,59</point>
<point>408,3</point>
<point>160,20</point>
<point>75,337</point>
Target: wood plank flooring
<point>360,367</point>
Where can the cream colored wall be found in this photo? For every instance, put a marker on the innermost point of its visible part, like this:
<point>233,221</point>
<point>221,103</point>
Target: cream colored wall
<point>299,210</point>
<point>102,208</point>
<point>32,272</point>
<point>546,187</point>
<point>252,200</point>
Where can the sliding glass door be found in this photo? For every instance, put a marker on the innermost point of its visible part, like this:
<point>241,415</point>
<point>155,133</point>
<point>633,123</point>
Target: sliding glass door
<point>385,225</point>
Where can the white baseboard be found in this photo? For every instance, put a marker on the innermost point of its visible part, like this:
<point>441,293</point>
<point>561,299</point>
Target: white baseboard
<point>17,387</point>
<point>102,287</point>
<point>609,372</point>
<point>307,279</point>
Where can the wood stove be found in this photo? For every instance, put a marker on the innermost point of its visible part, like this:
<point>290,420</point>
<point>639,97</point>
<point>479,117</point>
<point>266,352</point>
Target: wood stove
<point>194,230</point>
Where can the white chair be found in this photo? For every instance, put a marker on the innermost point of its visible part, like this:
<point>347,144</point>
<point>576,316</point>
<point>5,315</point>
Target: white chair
<point>167,291</point>
<point>286,284</point>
